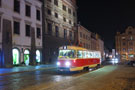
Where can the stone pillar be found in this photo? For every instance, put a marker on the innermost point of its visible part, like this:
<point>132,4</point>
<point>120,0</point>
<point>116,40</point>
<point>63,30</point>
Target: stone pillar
<point>7,43</point>
<point>33,48</point>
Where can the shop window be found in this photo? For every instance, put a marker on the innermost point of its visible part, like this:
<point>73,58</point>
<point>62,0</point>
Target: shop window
<point>16,56</point>
<point>38,56</point>
<point>26,57</point>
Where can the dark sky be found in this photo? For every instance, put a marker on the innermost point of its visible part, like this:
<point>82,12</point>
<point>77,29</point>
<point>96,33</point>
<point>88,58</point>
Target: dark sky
<point>106,17</point>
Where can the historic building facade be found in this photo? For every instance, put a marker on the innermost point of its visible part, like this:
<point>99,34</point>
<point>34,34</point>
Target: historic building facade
<point>84,37</point>
<point>125,44</point>
<point>60,26</point>
<point>90,40</point>
<point>20,32</point>
<point>100,46</point>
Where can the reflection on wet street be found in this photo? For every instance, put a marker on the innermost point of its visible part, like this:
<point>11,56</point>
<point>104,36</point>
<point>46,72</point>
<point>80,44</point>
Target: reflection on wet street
<point>18,81</point>
<point>28,79</point>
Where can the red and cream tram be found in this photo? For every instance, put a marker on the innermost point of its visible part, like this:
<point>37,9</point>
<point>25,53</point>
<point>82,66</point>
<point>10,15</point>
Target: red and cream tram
<point>73,58</point>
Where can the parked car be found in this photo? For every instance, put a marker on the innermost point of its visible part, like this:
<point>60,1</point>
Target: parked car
<point>131,63</point>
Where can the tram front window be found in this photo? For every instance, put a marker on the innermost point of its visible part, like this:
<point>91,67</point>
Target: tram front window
<point>67,53</point>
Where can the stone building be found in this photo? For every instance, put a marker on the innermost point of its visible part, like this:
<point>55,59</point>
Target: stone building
<point>60,26</point>
<point>84,37</point>
<point>100,46</point>
<point>90,40</point>
<point>20,32</point>
<point>94,44</point>
<point>125,44</point>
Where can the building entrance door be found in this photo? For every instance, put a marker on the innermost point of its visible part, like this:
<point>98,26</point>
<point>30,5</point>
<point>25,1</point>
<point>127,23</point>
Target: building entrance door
<point>38,56</point>
<point>16,56</point>
<point>27,57</point>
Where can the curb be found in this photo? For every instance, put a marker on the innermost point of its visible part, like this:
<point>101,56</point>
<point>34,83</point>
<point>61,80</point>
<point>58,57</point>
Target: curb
<point>27,71</point>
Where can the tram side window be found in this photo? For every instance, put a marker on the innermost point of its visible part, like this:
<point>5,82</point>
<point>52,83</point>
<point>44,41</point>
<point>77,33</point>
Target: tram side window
<point>84,54</point>
<point>97,55</point>
<point>94,55</point>
<point>91,54</point>
<point>87,54</point>
<point>79,54</point>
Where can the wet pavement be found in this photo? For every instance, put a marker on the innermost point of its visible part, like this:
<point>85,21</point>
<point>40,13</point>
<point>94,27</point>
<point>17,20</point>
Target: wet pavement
<point>21,80</point>
<point>36,79</point>
<point>20,69</point>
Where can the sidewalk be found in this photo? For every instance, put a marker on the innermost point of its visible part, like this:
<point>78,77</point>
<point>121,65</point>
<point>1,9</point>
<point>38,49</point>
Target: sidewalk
<point>21,69</point>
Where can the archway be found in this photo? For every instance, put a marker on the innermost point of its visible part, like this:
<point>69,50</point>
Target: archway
<point>26,57</point>
<point>38,55</point>
<point>16,56</point>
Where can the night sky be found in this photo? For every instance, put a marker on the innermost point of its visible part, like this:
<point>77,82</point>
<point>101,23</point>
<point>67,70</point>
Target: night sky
<point>106,17</point>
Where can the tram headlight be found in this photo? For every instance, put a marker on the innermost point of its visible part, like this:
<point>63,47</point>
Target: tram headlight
<point>67,64</point>
<point>58,63</point>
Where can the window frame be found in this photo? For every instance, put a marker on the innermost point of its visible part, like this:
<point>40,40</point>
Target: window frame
<point>17,32</point>
<point>27,10</point>
<point>27,33</point>
<point>17,9</point>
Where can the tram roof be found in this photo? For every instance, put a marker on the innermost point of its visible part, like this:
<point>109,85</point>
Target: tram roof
<point>76,48</point>
<point>73,47</point>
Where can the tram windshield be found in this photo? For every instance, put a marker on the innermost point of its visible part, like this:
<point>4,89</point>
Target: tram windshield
<point>67,54</point>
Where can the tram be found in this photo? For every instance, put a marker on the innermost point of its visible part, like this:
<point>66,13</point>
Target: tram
<point>73,58</point>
